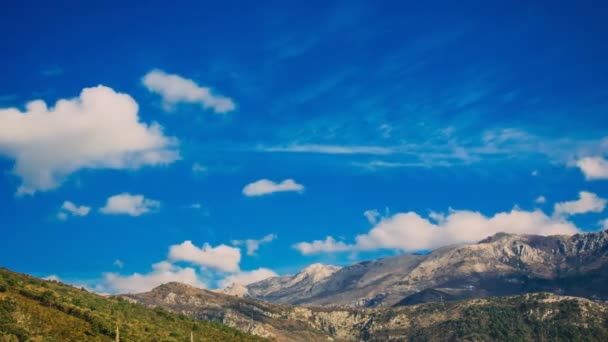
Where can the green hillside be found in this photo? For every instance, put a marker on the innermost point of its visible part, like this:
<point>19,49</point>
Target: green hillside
<point>38,310</point>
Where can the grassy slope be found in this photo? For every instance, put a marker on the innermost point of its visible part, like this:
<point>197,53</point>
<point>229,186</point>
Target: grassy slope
<point>37,310</point>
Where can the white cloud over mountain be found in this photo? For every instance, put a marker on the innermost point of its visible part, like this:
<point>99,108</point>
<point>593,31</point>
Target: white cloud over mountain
<point>162,272</point>
<point>99,129</point>
<point>175,89</point>
<point>265,187</point>
<point>247,277</point>
<point>410,231</point>
<point>587,202</point>
<point>223,257</point>
<point>221,262</point>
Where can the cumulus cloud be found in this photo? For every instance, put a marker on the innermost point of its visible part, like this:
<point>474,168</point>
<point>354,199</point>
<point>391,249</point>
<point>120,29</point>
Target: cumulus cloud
<point>247,277</point>
<point>540,200</point>
<point>162,272</point>
<point>127,204</point>
<point>410,231</point>
<point>176,89</point>
<point>593,167</point>
<point>588,202</point>
<point>118,263</point>
<point>223,257</point>
<point>253,245</point>
<point>68,208</point>
<point>100,129</point>
<point>265,187</point>
<point>329,245</point>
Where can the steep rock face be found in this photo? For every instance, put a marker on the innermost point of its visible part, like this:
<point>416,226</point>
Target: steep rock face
<point>503,264</point>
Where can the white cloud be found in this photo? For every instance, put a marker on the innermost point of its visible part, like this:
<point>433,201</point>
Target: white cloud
<point>175,89</point>
<point>372,215</point>
<point>264,187</point>
<point>604,224</point>
<point>100,129</point>
<point>118,263</point>
<point>53,277</point>
<point>410,232</point>
<point>247,277</point>
<point>587,203</point>
<point>198,168</point>
<point>196,206</point>
<point>69,208</point>
<point>162,273</point>
<point>540,200</point>
<point>329,149</point>
<point>127,204</point>
<point>593,167</point>
<point>253,245</point>
<point>223,257</point>
<point>329,245</point>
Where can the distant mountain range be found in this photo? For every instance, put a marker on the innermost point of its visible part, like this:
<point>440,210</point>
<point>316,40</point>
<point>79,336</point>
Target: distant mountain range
<point>452,293</point>
<point>504,288</point>
<point>530,317</point>
<point>503,264</point>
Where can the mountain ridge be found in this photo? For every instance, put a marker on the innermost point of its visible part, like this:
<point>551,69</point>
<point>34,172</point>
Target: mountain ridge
<point>517,263</point>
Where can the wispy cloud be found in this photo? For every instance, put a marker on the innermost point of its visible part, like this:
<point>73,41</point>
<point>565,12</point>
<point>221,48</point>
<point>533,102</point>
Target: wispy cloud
<point>328,149</point>
<point>68,208</point>
<point>176,89</point>
<point>450,149</point>
<point>253,245</point>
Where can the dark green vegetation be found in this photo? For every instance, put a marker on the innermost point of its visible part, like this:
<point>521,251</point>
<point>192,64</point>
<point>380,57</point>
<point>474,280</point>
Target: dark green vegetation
<point>38,310</point>
<point>535,317</point>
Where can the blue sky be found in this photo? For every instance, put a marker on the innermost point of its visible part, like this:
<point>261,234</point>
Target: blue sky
<point>220,123</point>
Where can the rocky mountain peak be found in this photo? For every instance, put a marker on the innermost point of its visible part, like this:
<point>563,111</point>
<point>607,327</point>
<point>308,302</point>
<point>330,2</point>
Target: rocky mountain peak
<point>235,289</point>
<point>316,272</point>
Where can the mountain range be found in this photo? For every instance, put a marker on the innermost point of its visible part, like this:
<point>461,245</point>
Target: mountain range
<point>503,264</point>
<point>506,287</point>
<point>503,288</point>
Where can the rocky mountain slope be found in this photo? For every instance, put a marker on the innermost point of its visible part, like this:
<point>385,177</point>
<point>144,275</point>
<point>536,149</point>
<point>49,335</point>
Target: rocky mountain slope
<point>287,289</point>
<point>532,317</point>
<point>503,264</point>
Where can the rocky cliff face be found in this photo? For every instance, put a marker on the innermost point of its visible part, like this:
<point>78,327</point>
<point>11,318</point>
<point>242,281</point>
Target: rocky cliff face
<point>499,265</point>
